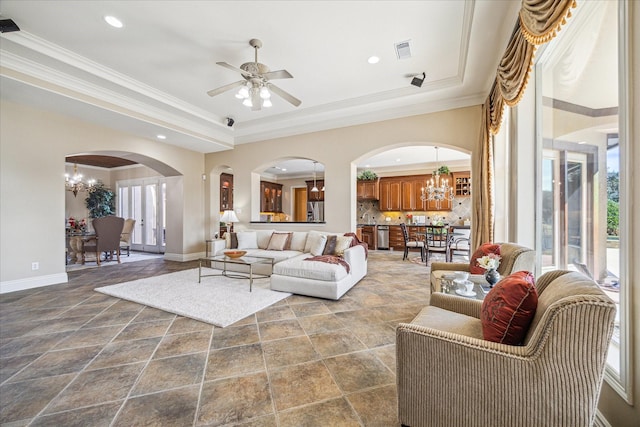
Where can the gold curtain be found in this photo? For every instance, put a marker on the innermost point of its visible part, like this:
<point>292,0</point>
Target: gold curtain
<point>539,22</point>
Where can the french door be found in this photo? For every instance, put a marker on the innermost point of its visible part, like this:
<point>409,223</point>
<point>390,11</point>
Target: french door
<point>145,201</point>
<point>567,210</point>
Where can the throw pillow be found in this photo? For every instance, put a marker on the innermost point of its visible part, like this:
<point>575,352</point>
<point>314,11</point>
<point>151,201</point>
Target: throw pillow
<point>330,246</point>
<point>247,240</point>
<point>484,249</point>
<point>263,237</point>
<point>231,240</point>
<point>312,237</point>
<point>317,245</point>
<point>342,244</point>
<point>278,241</point>
<point>508,309</point>
<point>298,241</point>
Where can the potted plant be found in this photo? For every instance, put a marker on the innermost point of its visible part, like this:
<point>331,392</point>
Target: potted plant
<point>101,201</point>
<point>367,175</point>
<point>442,170</point>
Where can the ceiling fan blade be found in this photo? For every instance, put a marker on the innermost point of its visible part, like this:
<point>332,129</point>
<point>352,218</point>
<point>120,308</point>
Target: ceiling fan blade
<point>280,74</point>
<point>256,101</point>
<point>285,95</point>
<point>236,69</point>
<point>225,88</point>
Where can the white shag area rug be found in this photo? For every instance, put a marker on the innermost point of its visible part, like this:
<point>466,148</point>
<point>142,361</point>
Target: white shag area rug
<point>218,300</point>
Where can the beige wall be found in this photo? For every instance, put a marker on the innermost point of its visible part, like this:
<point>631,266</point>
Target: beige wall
<point>337,149</point>
<point>33,147</point>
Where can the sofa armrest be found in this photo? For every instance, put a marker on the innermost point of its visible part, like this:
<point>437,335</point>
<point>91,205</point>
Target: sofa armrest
<point>356,257</point>
<point>449,266</point>
<point>466,306</point>
<point>218,245</point>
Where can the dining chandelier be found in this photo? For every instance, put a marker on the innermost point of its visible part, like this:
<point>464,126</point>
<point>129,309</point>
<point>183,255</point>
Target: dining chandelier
<point>437,189</point>
<point>75,184</point>
<point>251,93</point>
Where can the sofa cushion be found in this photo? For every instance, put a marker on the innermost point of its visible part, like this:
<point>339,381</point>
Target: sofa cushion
<point>263,237</point>
<point>278,241</point>
<point>247,240</point>
<point>449,321</point>
<point>509,308</point>
<point>312,237</point>
<point>317,270</point>
<point>298,241</point>
<point>315,243</point>
<point>330,246</point>
<point>277,256</point>
<point>484,249</point>
<point>342,244</point>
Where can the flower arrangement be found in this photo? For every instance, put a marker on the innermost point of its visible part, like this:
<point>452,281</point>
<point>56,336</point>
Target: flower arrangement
<point>489,262</point>
<point>409,218</point>
<point>76,225</point>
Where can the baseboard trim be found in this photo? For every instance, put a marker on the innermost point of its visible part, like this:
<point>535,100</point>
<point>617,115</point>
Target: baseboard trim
<point>183,257</point>
<point>32,282</point>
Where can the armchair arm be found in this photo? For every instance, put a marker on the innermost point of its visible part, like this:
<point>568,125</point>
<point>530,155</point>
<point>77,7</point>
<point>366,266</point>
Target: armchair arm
<point>466,306</point>
<point>218,245</point>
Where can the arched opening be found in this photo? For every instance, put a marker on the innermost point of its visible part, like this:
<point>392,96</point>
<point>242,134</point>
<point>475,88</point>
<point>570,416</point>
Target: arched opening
<point>144,189</point>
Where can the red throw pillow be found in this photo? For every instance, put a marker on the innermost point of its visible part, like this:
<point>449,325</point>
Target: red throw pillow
<point>508,309</point>
<point>484,249</point>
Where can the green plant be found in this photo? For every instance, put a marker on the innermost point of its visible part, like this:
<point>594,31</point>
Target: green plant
<point>101,201</point>
<point>367,175</point>
<point>613,218</point>
<point>442,170</point>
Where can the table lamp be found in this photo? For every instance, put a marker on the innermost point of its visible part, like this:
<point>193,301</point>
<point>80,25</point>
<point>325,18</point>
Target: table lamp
<point>229,217</point>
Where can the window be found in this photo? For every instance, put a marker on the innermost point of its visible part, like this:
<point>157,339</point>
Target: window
<point>580,170</point>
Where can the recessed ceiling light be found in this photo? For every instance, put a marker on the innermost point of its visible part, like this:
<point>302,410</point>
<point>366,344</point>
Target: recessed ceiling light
<point>113,21</point>
<point>373,60</point>
<point>161,136</point>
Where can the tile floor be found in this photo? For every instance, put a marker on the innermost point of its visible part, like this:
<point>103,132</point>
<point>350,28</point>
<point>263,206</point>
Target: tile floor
<point>70,356</point>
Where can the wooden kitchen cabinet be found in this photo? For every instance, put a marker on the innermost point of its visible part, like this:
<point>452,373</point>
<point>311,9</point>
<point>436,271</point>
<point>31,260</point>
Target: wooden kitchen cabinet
<point>396,240</point>
<point>369,236</point>
<point>461,183</point>
<point>226,192</point>
<point>368,190</point>
<point>270,197</point>
<point>315,196</point>
<point>390,194</point>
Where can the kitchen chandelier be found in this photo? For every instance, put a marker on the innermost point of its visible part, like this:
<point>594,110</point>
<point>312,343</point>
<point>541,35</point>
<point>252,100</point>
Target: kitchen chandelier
<point>250,92</point>
<point>75,183</point>
<point>437,190</point>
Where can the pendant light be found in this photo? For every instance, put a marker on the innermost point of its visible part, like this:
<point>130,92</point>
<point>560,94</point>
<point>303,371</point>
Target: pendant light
<point>315,187</point>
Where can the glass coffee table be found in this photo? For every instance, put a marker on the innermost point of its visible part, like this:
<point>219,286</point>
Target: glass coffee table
<point>449,285</point>
<point>249,261</point>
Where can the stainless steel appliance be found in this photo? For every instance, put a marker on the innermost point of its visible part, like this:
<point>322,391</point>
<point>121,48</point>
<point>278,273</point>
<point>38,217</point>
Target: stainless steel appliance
<point>383,237</point>
<point>315,211</point>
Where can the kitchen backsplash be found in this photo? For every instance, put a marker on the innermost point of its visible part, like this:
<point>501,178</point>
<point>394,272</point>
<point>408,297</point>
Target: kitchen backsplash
<point>369,213</point>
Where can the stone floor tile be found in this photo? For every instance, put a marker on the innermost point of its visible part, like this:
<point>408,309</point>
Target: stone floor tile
<point>289,351</point>
<point>235,400</point>
<point>336,342</point>
<point>167,408</point>
<point>309,309</point>
<point>88,337</point>
<point>125,352</point>
<point>376,407</point>
<point>99,416</point>
<point>280,329</point>
<point>191,342</point>
<point>234,361</point>
<point>25,399</point>
<point>9,366</point>
<point>136,331</point>
<point>334,413</point>
<point>95,387</point>
<point>182,325</point>
<point>235,335</point>
<point>303,384</point>
<point>275,312</point>
<point>149,313</point>
<point>57,363</point>
<point>171,372</point>
<point>32,344</point>
<point>358,371</point>
<point>320,323</point>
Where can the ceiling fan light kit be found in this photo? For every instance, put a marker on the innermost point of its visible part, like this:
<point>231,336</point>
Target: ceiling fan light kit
<point>256,88</point>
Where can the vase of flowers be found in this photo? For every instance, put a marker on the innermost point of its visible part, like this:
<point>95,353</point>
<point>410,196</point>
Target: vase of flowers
<point>490,263</point>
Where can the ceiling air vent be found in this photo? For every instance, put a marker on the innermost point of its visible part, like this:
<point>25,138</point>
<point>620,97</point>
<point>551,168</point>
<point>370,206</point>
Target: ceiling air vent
<point>403,49</point>
<point>8,26</point>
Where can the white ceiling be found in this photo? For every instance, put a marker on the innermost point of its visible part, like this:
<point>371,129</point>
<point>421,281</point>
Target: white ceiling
<point>151,76</point>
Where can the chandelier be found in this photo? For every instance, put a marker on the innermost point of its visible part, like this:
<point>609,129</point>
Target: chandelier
<point>437,189</point>
<point>251,93</point>
<point>75,183</point>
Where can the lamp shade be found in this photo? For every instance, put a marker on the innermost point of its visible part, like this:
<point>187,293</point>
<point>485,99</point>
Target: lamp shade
<point>229,216</point>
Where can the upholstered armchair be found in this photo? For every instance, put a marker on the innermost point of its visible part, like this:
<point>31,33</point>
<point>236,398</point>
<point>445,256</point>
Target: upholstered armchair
<point>125,236</point>
<point>513,258</point>
<point>448,375</point>
<point>107,238</point>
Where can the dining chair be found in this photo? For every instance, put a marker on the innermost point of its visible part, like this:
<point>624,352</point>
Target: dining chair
<point>437,240</point>
<point>459,241</point>
<point>125,236</point>
<point>412,244</point>
<point>107,238</point>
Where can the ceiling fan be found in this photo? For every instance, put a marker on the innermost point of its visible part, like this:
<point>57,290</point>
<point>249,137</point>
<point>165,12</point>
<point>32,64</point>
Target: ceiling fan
<point>256,87</point>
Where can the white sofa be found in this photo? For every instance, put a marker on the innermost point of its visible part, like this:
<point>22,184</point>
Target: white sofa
<point>289,272</point>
